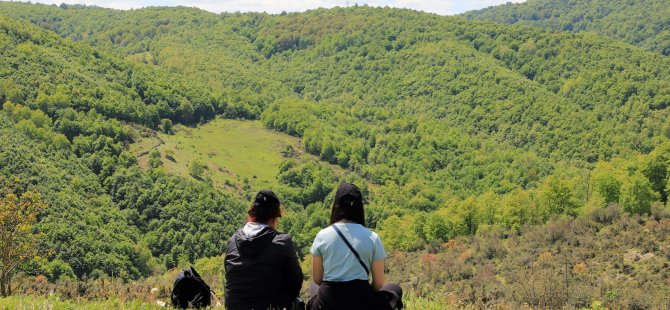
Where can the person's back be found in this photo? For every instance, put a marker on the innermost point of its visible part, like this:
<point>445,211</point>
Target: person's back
<point>343,274</point>
<point>344,255</point>
<point>262,270</point>
<point>339,263</point>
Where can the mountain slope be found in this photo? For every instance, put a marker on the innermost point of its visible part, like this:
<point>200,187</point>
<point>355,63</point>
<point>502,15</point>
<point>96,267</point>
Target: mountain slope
<point>39,69</point>
<point>80,219</point>
<point>422,94</point>
<point>446,123</point>
<point>471,106</point>
<point>214,50</point>
<point>63,134</point>
<point>645,23</point>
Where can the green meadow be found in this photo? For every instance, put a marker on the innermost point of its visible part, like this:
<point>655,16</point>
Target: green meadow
<point>231,151</point>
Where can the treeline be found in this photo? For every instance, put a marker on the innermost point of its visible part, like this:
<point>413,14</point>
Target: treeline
<point>636,186</point>
<point>643,23</point>
<point>408,220</point>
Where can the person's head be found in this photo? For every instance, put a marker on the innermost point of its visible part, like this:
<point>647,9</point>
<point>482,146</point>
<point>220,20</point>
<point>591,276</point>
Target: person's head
<point>348,205</point>
<point>265,208</point>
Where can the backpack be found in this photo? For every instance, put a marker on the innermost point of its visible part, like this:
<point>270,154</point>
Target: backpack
<point>190,290</point>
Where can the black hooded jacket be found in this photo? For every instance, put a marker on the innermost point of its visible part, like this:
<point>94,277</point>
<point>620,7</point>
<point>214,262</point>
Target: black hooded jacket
<point>262,271</point>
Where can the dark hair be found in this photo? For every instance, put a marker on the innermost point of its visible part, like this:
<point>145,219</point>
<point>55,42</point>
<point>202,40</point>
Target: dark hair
<point>348,205</point>
<point>265,207</point>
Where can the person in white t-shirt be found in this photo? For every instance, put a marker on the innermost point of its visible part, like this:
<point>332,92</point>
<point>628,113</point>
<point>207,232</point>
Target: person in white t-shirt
<point>344,255</point>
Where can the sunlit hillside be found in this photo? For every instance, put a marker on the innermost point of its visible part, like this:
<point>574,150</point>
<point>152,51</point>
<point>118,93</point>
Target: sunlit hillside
<point>493,158</point>
<point>232,152</point>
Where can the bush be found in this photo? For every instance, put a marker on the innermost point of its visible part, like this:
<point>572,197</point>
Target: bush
<point>59,270</point>
<point>607,215</point>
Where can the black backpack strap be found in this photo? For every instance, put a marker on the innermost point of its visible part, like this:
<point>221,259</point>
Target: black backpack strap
<point>367,271</point>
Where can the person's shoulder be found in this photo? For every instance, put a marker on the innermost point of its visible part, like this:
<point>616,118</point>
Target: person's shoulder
<point>231,240</point>
<point>368,232</point>
<point>325,232</point>
<point>362,229</point>
<point>282,238</point>
<point>231,247</point>
<point>375,237</point>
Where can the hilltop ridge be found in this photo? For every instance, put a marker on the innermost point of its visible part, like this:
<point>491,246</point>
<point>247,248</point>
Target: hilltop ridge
<point>643,23</point>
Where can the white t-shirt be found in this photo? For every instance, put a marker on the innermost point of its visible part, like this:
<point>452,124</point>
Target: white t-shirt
<point>339,263</point>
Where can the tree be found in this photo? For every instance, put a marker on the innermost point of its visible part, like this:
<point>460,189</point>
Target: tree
<point>197,169</point>
<point>435,229</point>
<point>185,111</point>
<point>607,183</point>
<point>155,159</point>
<point>18,215</point>
<point>637,194</point>
<point>559,198</point>
<point>166,126</point>
<point>656,169</point>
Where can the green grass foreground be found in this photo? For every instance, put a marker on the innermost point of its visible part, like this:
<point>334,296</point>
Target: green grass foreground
<point>56,303</point>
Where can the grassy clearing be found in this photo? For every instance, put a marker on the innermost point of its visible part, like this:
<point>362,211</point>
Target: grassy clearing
<point>231,150</point>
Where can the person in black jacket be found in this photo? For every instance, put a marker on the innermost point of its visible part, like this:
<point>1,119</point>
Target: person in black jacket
<point>262,270</point>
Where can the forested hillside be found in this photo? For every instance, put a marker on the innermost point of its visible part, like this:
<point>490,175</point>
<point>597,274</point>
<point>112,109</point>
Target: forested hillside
<point>63,136</point>
<point>644,23</point>
<point>451,127</point>
<point>385,71</point>
<point>204,47</point>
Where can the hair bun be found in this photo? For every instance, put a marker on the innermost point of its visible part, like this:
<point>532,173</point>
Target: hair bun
<point>266,205</point>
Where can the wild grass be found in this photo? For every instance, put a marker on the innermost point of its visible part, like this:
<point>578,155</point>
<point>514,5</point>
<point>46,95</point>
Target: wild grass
<point>56,303</point>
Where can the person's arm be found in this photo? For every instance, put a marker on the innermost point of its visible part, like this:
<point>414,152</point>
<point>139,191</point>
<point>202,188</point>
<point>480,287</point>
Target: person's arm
<point>377,274</point>
<point>378,256</point>
<point>292,271</point>
<point>317,269</point>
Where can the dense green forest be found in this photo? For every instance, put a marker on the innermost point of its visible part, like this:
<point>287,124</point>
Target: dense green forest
<point>451,127</point>
<point>642,22</point>
<point>63,136</point>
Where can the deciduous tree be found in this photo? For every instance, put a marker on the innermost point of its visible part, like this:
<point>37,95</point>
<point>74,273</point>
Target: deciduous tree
<point>18,215</point>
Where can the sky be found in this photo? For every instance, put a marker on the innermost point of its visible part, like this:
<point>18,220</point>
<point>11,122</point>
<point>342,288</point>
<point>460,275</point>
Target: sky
<point>442,7</point>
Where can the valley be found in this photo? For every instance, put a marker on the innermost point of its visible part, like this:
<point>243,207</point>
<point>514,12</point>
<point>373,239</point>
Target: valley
<point>496,150</point>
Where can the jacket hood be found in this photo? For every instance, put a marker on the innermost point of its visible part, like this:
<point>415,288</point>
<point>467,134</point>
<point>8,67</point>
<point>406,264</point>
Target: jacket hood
<point>253,238</point>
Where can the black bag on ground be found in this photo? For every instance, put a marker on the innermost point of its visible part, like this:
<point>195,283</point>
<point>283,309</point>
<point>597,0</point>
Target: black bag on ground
<point>190,290</point>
